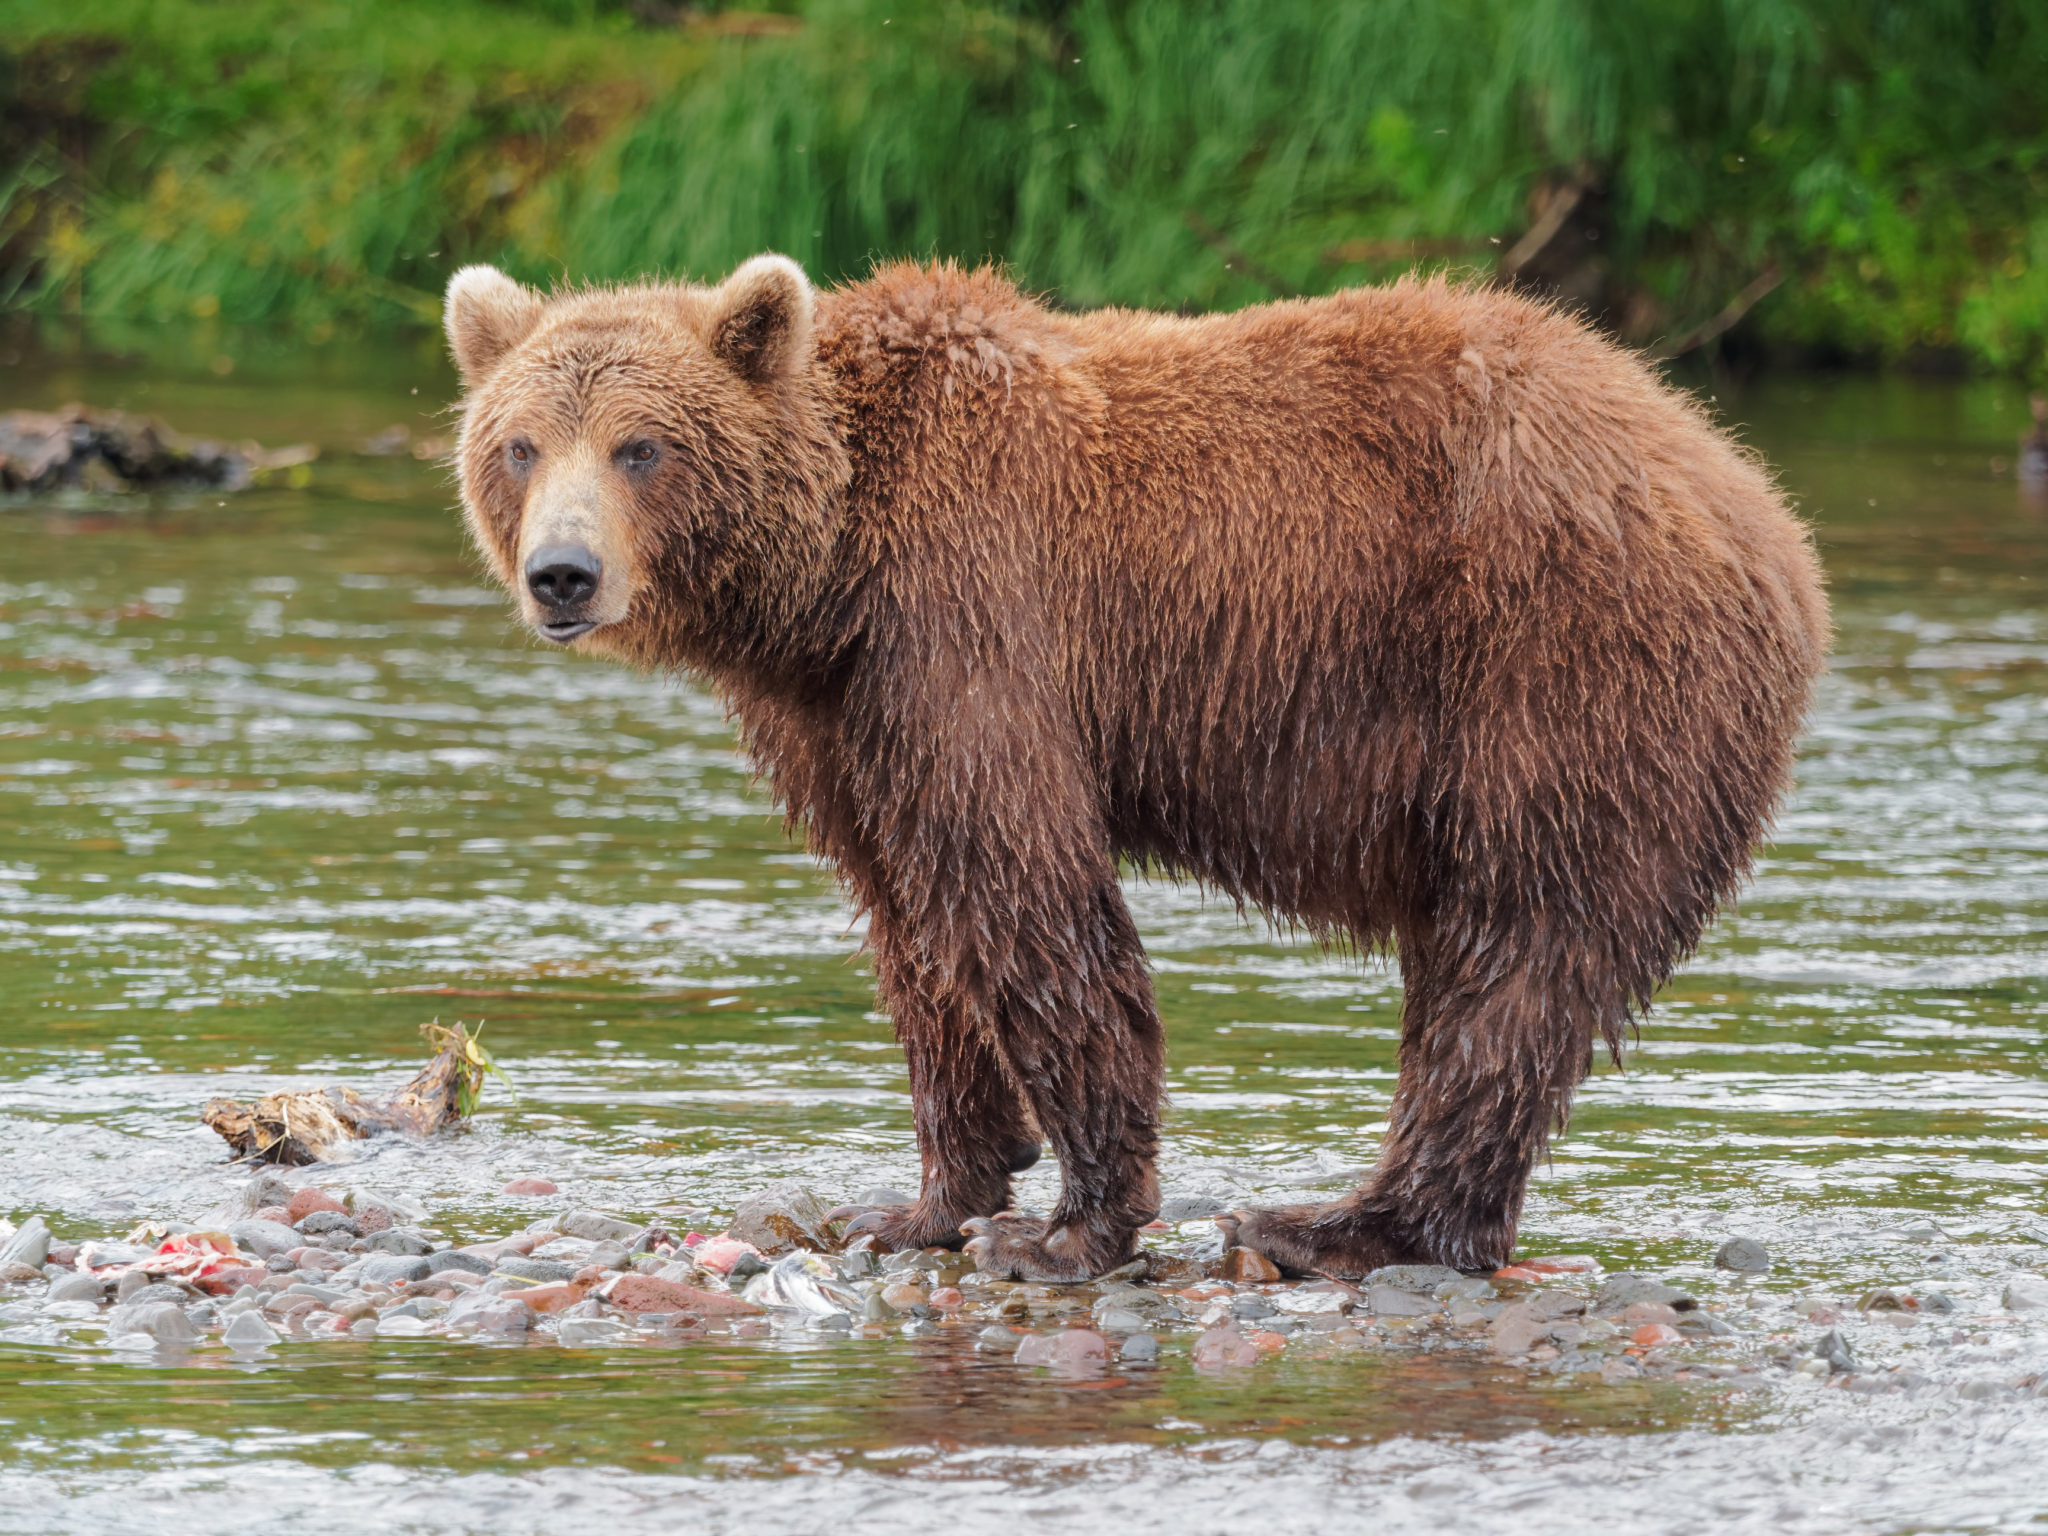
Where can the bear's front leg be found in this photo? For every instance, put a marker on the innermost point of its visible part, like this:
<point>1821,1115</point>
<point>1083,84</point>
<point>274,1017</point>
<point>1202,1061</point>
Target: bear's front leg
<point>1002,898</point>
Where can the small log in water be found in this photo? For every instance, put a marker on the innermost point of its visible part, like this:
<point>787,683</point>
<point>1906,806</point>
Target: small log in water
<point>78,448</point>
<point>313,1126</point>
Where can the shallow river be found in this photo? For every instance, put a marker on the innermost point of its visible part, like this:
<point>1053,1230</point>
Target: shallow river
<point>280,780</point>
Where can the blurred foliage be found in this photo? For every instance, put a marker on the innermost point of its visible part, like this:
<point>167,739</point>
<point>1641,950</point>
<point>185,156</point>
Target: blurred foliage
<point>1870,172</point>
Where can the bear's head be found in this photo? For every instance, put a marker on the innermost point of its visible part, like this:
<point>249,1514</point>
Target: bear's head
<point>653,470</point>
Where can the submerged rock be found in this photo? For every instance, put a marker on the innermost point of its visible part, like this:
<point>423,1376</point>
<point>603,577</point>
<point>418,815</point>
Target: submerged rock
<point>1745,1255</point>
<point>30,1244</point>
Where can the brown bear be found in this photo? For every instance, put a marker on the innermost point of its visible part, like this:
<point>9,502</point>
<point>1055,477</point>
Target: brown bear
<point>1421,617</point>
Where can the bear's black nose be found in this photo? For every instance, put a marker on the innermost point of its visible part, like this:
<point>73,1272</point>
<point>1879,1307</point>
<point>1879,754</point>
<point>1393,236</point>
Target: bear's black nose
<point>562,575</point>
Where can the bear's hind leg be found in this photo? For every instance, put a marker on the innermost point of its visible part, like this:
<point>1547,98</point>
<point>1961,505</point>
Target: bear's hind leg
<point>1495,1036</point>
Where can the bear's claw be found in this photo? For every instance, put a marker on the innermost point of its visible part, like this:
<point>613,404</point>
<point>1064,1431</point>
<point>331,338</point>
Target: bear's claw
<point>1303,1240</point>
<point>898,1228</point>
<point>1014,1247</point>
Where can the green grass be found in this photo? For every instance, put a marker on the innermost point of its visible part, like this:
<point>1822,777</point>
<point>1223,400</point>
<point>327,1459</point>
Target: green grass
<point>319,163</point>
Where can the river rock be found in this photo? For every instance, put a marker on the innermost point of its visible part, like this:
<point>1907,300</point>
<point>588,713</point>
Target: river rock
<point>314,1223</point>
<point>1224,1345</point>
<point>30,1244</point>
<point>1245,1266</point>
<point>529,1185</point>
<point>1395,1301</point>
<point>782,1218</point>
<point>76,1287</point>
<point>1424,1278</point>
<point>546,1271</point>
<point>19,1274</point>
<point>457,1260</point>
<point>649,1293</point>
<point>1139,1348</point>
<point>98,450</point>
<point>1834,1349</point>
<point>1117,1320</point>
<point>306,1201</point>
<point>163,1321</point>
<point>265,1239</point>
<point>1744,1255</point>
<point>590,1332</point>
<point>249,1331</point>
<point>1622,1291</point>
<point>2026,1293</point>
<point>597,1227</point>
<point>997,1340</point>
<point>389,1269</point>
<point>225,1282</point>
<point>409,1241</point>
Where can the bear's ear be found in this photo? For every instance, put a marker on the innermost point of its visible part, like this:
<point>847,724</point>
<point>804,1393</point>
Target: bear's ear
<point>487,315</point>
<point>761,319</point>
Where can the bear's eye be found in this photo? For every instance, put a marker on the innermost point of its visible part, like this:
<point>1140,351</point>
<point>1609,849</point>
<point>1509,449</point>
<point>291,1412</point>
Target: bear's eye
<point>641,452</point>
<point>521,452</point>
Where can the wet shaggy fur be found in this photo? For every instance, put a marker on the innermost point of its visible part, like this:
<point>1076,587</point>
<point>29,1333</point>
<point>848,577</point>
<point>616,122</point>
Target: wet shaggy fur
<point>1419,616</point>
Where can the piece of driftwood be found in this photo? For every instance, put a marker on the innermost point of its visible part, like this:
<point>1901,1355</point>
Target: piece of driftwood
<point>316,1125</point>
<point>78,448</point>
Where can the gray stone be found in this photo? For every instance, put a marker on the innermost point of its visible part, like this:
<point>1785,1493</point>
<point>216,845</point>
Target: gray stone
<point>264,1238</point>
<point>159,1292</point>
<point>1251,1306</point>
<point>607,1255</point>
<point>76,1287</point>
<point>1117,1320</point>
<point>403,1240</point>
<point>590,1332</point>
<point>1139,1347</point>
<point>1936,1302</point>
<point>249,1331</point>
<point>599,1227</point>
<point>1834,1349</point>
<point>2026,1293</point>
<point>1705,1322</point>
<point>279,1264</point>
<point>1177,1208</point>
<point>389,1269</point>
<point>545,1271</point>
<point>997,1340</point>
<point>1412,1277</point>
<point>29,1245</point>
<point>1745,1255</point>
<point>314,1223</point>
<point>326,1295</point>
<point>261,1192</point>
<point>859,1263</point>
<point>883,1194</point>
<point>161,1320</point>
<point>455,1259</point>
<point>1397,1301</point>
<point>1624,1290</point>
<point>1551,1303</point>
<point>782,1218</point>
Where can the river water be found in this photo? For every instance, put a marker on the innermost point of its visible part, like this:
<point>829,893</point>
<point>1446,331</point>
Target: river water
<point>276,766</point>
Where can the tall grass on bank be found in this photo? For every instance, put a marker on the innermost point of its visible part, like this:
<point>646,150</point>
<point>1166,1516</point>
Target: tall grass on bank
<point>1873,170</point>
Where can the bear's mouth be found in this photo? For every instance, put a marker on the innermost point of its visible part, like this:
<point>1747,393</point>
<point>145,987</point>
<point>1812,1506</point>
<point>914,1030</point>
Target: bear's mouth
<point>562,631</point>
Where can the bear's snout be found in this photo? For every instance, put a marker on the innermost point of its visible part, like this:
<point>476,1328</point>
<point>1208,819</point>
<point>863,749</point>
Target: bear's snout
<point>563,579</point>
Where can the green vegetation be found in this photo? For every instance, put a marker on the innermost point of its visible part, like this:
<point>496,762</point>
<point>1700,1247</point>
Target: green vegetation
<point>1871,174</point>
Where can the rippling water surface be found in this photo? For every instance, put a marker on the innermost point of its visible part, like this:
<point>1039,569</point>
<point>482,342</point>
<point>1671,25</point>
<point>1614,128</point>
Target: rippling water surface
<point>280,780</point>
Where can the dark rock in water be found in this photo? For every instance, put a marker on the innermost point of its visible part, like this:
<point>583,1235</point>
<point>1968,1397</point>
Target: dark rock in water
<point>81,449</point>
<point>1139,1347</point>
<point>1745,1255</point>
<point>1170,1269</point>
<point>1245,1266</point>
<point>783,1218</point>
<point>1935,1302</point>
<point>454,1258</point>
<point>1191,1207</point>
<point>404,1240</point>
<point>1624,1290</point>
<point>746,1266</point>
<point>1834,1349</point>
<point>316,1222</point>
<point>1251,1306</point>
<point>543,1270</point>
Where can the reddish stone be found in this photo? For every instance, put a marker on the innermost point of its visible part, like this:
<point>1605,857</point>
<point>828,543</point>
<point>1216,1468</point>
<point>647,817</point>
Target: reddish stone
<point>1559,1264</point>
<point>551,1298</point>
<point>1267,1341</point>
<point>371,1217</point>
<point>529,1186</point>
<point>281,1214</point>
<point>225,1282</point>
<point>947,1298</point>
<point>1655,1336</point>
<point>650,1293</point>
<point>590,1274</point>
<point>1245,1266</point>
<point>308,1200</point>
<point>1515,1272</point>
